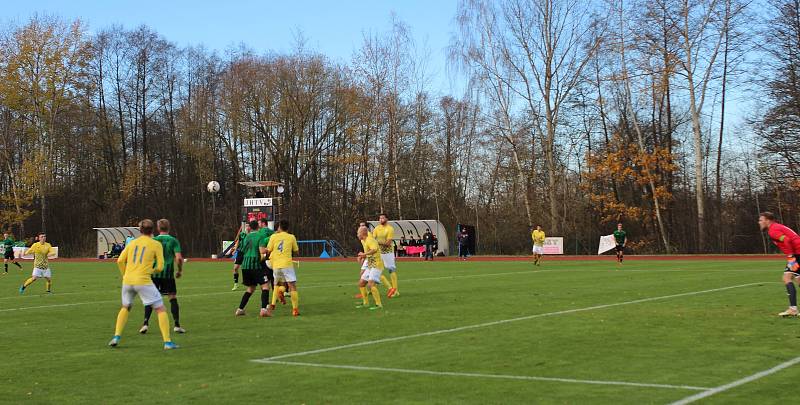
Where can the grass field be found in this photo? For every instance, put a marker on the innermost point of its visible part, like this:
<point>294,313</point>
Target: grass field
<point>474,332</point>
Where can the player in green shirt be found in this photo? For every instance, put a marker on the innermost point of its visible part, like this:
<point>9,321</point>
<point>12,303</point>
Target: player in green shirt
<point>621,237</point>
<point>238,256</point>
<point>253,272</point>
<point>165,280</point>
<point>266,232</point>
<point>8,251</point>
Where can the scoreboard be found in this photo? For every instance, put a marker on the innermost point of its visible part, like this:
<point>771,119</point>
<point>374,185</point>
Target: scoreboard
<point>255,209</point>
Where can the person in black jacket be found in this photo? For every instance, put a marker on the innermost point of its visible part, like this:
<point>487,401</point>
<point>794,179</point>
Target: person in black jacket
<point>427,240</point>
<point>463,244</point>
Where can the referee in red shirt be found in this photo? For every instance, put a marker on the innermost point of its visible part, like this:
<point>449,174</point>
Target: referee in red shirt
<point>788,242</point>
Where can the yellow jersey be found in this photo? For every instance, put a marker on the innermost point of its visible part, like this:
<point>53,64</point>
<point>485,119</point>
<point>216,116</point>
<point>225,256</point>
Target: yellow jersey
<point>40,252</point>
<point>281,247</point>
<point>382,234</point>
<point>538,238</point>
<point>136,260</point>
<point>374,260</point>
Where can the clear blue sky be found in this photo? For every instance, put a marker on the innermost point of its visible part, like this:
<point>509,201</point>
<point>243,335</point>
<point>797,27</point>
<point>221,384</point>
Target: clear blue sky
<point>331,27</point>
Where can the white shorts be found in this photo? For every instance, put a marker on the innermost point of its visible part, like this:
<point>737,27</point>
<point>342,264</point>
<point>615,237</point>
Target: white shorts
<point>285,275</point>
<point>538,250</point>
<point>42,273</point>
<point>147,293</point>
<point>372,274</point>
<point>388,262</point>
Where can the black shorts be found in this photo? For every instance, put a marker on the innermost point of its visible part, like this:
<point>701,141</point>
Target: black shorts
<point>9,255</point>
<point>794,272</point>
<point>253,277</point>
<point>165,285</point>
<point>239,258</point>
<point>620,248</point>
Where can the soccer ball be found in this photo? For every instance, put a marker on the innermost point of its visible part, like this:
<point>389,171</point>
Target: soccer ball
<point>213,187</point>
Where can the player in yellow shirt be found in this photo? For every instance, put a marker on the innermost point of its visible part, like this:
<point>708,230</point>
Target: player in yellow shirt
<point>136,264</point>
<point>41,251</point>
<point>538,244</point>
<point>384,235</point>
<point>280,249</point>
<point>372,275</point>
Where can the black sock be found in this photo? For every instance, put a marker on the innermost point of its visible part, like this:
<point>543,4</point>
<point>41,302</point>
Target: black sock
<point>6,265</point>
<point>245,298</point>
<point>792,292</point>
<point>264,298</point>
<point>17,264</point>
<point>173,307</point>
<point>236,278</point>
<point>148,310</point>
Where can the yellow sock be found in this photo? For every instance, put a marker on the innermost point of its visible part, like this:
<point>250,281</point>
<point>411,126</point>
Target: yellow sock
<point>28,282</point>
<point>48,284</point>
<point>376,296</point>
<point>275,295</point>
<point>385,282</point>
<point>364,295</point>
<point>295,299</point>
<point>163,324</point>
<point>394,280</point>
<point>122,319</point>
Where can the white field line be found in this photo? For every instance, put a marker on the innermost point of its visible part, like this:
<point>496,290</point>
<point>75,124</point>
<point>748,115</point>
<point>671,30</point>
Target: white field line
<point>481,375</point>
<point>457,276</point>
<point>500,322</point>
<point>737,383</point>
<point>301,287</point>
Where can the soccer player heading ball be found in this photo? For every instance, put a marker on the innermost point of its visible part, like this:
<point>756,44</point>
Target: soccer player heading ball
<point>136,266</point>
<point>789,243</point>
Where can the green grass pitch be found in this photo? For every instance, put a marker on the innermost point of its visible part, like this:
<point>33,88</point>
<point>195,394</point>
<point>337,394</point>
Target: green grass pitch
<point>461,332</point>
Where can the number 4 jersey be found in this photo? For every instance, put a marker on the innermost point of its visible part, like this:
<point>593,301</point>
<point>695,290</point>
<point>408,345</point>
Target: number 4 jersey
<point>281,246</point>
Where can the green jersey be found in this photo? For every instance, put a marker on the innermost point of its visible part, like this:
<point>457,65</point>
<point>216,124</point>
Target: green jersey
<point>8,245</point>
<point>171,246</point>
<point>265,234</point>
<point>620,236</point>
<point>251,255</point>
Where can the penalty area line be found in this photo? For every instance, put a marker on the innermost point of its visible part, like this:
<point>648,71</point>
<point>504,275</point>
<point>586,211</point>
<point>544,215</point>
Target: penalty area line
<point>482,375</point>
<point>503,321</point>
<point>737,383</point>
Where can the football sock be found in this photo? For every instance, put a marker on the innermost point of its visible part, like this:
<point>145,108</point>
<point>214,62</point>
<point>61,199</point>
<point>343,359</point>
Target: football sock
<point>394,280</point>
<point>6,266</point>
<point>28,282</point>
<point>364,295</point>
<point>295,299</point>
<point>245,298</point>
<point>385,281</point>
<point>236,278</point>
<point>175,309</point>
<point>48,284</point>
<point>17,264</point>
<point>792,292</point>
<point>264,298</point>
<point>376,296</point>
<point>163,324</point>
<point>148,310</point>
<point>122,319</point>
<point>275,296</point>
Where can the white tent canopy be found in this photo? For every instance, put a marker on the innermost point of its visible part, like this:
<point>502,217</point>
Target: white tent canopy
<point>106,237</point>
<point>415,228</point>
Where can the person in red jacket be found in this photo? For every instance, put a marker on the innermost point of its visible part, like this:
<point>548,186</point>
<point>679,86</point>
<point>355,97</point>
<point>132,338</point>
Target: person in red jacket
<point>788,242</point>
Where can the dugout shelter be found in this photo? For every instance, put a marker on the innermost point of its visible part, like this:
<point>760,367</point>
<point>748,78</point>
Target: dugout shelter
<point>414,229</point>
<point>107,237</point>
